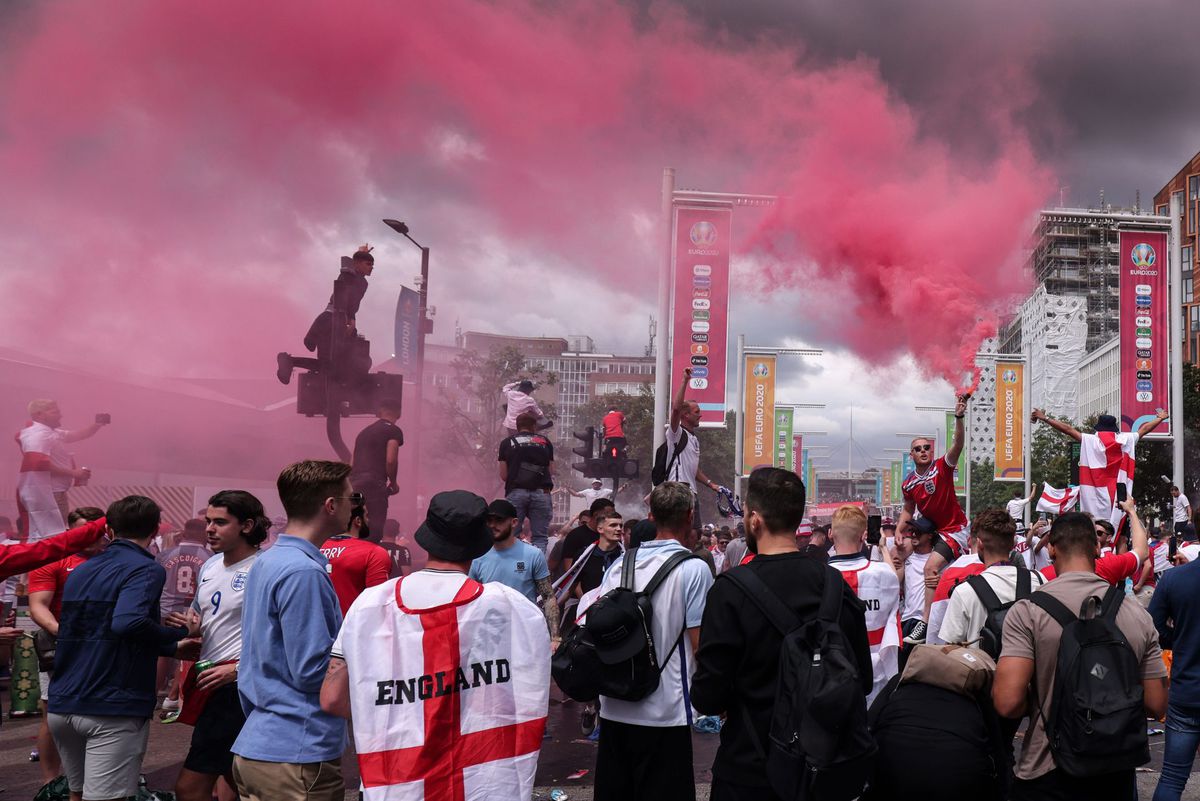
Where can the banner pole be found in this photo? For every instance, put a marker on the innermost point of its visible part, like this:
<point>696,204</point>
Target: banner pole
<point>1175,260</point>
<point>662,339</point>
<point>739,435</point>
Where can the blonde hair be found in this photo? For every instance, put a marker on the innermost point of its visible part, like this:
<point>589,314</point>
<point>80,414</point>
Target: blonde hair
<point>40,405</point>
<point>849,524</point>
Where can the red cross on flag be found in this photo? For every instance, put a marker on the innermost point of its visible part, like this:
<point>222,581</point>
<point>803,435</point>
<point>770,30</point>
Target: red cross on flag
<point>449,701</point>
<point>1057,501</point>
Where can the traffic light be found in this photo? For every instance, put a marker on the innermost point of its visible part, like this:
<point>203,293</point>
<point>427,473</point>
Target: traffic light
<point>587,449</point>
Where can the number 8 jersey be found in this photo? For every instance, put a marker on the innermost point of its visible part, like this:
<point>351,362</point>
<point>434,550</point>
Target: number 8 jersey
<point>182,563</point>
<point>219,596</point>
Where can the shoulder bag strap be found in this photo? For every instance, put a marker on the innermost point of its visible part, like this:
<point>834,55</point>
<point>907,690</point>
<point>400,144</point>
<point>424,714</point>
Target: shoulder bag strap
<point>767,601</point>
<point>987,596</point>
<point>1024,583</point>
<point>1111,604</point>
<point>675,451</point>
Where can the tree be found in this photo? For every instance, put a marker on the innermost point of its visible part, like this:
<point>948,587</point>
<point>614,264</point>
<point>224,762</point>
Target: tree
<point>471,416</point>
<point>986,492</point>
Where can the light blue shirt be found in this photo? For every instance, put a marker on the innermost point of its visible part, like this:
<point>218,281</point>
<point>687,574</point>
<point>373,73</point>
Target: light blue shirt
<point>518,567</point>
<point>280,675</point>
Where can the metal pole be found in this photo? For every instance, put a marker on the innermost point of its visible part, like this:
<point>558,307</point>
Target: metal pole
<point>1175,259</point>
<point>850,454</point>
<point>662,356</point>
<point>739,436</point>
<point>967,447</point>
<point>1027,428</point>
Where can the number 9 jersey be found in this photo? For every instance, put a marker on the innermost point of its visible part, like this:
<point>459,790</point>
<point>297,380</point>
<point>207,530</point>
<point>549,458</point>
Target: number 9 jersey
<point>220,592</point>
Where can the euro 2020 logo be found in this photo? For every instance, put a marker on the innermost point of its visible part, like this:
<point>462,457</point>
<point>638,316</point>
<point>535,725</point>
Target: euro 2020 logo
<point>761,370</point>
<point>1009,376</point>
<point>1143,256</point>
<point>704,234</point>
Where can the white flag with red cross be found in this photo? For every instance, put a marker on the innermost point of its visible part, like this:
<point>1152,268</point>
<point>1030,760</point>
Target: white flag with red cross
<point>1057,501</point>
<point>448,703</point>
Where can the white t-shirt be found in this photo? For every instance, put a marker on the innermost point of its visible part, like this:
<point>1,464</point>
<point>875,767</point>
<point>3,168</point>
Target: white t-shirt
<point>1016,508</point>
<point>688,461</point>
<point>678,604</point>
<point>220,593</point>
<point>1161,552</point>
<point>1033,562</point>
<point>966,614</point>
<point>1180,506</point>
<point>913,606</point>
<point>41,438</point>
<point>1190,551</point>
<point>591,494</point>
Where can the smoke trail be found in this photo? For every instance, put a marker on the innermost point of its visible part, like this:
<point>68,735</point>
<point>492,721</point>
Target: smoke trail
<point>178,176</point>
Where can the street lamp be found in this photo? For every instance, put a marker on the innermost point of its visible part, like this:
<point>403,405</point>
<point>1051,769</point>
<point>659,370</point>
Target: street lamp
<point>424,326</point>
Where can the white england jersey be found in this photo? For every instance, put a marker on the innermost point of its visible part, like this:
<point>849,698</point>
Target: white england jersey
<point>447,701</point>
<point>914,586</point>
<point>219,596</point>
<point>877,585</point>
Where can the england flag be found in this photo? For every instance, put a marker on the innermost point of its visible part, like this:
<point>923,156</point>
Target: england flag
<point>1058,501</point>
<point>1106,459</point>
<point>448,703</point>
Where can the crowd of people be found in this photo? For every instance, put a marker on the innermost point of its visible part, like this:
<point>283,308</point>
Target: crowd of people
<point>834,662</point>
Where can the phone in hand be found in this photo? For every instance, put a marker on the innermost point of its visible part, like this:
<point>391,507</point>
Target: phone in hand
<point>874,529</point>
<point>103,419</point>
<point>1122,492</point>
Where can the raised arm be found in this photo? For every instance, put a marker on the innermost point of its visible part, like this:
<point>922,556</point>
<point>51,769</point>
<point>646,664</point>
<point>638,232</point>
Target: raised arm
<point>1150,425</point>
<point>680,399</point>
<point>1057,425</point>
<point>1141,540</point>
<point>960,412</point>
<point>83,433</point>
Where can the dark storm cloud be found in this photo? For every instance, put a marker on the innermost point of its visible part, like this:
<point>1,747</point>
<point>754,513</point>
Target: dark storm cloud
<point>1112,99</point>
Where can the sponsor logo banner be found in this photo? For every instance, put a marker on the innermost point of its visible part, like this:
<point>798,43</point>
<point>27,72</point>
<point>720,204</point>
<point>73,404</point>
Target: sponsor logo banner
<point>1010,422</point>
<point>783,437</point>
<point>960,469</point>
<point>1144,337</point>
<point>408,321</point>
<point>699,332</point>
<point>798,453</point>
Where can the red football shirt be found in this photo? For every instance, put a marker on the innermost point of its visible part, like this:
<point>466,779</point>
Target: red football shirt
<point>614,424</point>
<point>52,578</point>
<point>355,565</point>
<point>933,495</point>
<point>1114,568</point>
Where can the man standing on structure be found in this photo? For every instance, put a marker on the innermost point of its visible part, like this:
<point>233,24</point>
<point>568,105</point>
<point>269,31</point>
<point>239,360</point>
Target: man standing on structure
<point>929,490</point>
<point>375,463</point>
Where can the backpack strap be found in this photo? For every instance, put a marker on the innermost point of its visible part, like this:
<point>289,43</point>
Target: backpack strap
<point>767,602</point>
<point>1024,583</point>
<point>1054,608</point>
<point>675,451</point>
<point>987,596</point>
<point>627,568</point>
<point>1111,604</point>
<point>664,570</point>
<point>830,610</point>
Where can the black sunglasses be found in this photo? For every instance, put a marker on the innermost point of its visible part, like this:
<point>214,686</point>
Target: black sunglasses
<point>921,448</point>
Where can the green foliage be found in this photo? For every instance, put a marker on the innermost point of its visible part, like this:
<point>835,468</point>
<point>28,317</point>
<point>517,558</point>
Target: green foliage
<point>986,492</point>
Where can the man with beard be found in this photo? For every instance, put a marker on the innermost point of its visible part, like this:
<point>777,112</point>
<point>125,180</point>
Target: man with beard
<point>355,562</point>
<point>516,564</point>
<point>929,489</point>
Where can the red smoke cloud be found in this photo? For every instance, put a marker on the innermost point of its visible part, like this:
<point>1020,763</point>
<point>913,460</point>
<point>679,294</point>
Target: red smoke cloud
<point>178,176</point>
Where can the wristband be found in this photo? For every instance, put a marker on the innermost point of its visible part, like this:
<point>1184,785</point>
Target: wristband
<point>959,416</point>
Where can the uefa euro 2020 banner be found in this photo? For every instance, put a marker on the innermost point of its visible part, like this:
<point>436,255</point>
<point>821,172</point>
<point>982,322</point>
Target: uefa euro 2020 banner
<point>700,329</point>
<point>1009,459</point>
<point>1144,329</point>
<point>758,413</point>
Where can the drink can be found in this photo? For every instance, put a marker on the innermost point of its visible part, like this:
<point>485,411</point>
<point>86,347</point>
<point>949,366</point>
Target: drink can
<point>204,665</point>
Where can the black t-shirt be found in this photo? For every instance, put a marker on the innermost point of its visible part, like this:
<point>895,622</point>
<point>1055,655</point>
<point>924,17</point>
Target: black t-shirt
<point>528,456</point>
<point>400,557</point>
<point>370,448</point>
<point>592,572</point>
<point>577,540</point>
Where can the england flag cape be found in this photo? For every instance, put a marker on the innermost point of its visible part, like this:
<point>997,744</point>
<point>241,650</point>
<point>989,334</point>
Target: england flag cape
<point>878,586</point>
<point>448,703</point>
<point>38,511</point>
<point>1105,459</point>
<point>1056,501</point>
<point>959,571</point>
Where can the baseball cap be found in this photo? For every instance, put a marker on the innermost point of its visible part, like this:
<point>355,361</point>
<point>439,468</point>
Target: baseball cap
<point>501,508</point>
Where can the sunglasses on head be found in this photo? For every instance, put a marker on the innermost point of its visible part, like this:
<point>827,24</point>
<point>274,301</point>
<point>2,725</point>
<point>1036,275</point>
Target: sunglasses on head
<point>355,498</point>
<point>922,448</point>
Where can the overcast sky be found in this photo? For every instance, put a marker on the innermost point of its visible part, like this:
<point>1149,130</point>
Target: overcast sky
<point>184,179</point>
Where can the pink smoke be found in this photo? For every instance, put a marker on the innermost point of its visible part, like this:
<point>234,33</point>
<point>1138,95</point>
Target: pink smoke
<point>179,176</point>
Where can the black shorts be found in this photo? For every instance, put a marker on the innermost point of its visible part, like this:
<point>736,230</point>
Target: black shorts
<point>942,548</point>
<point>218,726</point>
<point>634,762</point>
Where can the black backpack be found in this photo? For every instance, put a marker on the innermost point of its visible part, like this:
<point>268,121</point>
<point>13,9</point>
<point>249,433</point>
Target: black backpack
<point>992,633</point>
<point>662,467</point>
<point>577,667</point>
<point>1097,721</point>
<point>819,746</point>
